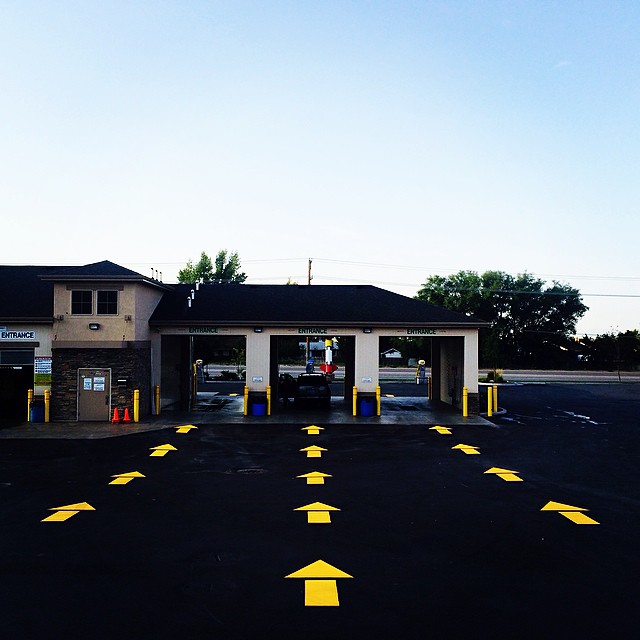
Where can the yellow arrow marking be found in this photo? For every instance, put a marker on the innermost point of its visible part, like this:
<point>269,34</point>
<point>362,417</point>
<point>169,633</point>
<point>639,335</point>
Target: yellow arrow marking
<point>64,513</point>
<point>505,474</point>
<point>315,477</point>
<point>389,395</point>
<point>313,451</point>
<point>468,449</point>
<point>312,430</point>
<point>162,450</point>
<point>125,478</point>
<point>185,428</point>
<point>441,430</point>
<point>231,395</point>
<point>570,512</point>
<point>318,512</point>
<point>320,589</point>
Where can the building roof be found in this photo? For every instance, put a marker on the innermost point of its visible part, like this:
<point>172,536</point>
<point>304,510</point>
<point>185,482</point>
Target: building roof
<point>278,305</point>
<point>100,271</point>
<point>24,295</point>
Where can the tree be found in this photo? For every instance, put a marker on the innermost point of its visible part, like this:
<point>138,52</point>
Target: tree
<point>225,270</point>
<point>530,324</point>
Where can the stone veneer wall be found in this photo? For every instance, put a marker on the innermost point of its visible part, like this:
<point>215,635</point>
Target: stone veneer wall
<point>134,364</point>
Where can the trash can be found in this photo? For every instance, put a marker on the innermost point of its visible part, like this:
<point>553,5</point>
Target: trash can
<point>367,406</point>
<point>36,411</point>
<point>258,409</point>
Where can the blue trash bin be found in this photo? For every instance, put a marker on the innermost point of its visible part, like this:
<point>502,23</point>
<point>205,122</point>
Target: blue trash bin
<point>367,406</point>
<point>36,411</point>
<point>258,409</point>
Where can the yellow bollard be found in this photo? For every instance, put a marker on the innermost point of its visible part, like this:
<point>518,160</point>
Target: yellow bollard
<point>157,397</point>
<point>47,404</point>
<point>268,400</point>
<point>355,401</point>
<point>465,402</point>
<point>378,400</point>
<point>429,388</point>
<point>246,400</point>
<point>489,398</point>
<point>29,401</point>
<point>136,405</point>
<point>495,397</point>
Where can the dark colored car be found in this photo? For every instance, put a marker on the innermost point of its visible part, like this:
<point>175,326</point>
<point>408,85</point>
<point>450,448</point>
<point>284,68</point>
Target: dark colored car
<point>313,388</point>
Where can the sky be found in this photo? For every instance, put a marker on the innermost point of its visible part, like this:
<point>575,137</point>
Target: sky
<point>385,141</point>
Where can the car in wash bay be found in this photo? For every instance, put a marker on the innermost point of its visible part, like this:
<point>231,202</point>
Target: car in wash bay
<point>312,388</point>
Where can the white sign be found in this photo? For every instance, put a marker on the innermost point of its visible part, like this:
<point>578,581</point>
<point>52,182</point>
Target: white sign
<point>98,384</point>
<point>256,379</point>
<point>6,334</point>
<point>42,364</point>
<point>87,384</point>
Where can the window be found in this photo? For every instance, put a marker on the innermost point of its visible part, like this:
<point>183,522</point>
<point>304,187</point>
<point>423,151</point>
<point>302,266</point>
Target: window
<point>82,303</point>
<point>107,303</point>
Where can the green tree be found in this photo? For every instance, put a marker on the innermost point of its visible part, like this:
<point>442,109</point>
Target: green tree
<point>225,270</point>
<point>530,323</point>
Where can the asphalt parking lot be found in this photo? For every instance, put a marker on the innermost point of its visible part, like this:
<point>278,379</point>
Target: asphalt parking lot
<point>418,539</point>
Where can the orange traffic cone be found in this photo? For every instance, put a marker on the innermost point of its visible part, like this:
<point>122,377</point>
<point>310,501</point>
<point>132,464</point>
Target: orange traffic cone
<point>116,416</point>
<point>126,418</point>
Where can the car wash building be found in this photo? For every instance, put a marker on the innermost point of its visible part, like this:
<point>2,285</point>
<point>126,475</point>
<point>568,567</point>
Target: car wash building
<point>94,334</point>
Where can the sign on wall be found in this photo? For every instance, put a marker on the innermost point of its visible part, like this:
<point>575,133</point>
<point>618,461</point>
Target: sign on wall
<point>11,334</point>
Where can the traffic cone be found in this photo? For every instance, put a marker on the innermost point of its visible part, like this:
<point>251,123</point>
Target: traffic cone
<point>127,417</point>
<point>116,416</point>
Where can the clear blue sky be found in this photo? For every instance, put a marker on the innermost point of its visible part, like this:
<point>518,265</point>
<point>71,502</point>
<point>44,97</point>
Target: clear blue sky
<point>388,141</point>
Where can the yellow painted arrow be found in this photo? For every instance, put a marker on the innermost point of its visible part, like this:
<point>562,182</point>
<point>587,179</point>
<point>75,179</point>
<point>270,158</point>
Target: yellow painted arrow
<point>315,477</point>
<point>505,474</point>
<point>162,450</point>
<point>468,449</point>
<point>185,428</point>
<point>64,513</point>
<point>320,588</point>
<point>125,478</point>
<point>312,430</point>
<point>318,512</point>
<point>313,451</point>
<point>570,512</point>
<point>441,430</point>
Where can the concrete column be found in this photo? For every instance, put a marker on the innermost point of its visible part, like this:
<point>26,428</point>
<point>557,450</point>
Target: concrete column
<point>367,367</point>
<point>258,350</point>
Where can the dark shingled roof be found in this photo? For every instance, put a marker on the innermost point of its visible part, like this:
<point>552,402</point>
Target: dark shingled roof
<point>337,305</point>
<point>24,295</point>
<point>97,271</point>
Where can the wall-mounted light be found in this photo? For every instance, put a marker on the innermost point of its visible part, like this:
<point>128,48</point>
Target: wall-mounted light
<point>367,330</point>
<point>94,326</point>
<point>257,329</point>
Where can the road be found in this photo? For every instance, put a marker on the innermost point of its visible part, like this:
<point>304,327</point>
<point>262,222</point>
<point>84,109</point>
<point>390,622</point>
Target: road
<point>200,543</point>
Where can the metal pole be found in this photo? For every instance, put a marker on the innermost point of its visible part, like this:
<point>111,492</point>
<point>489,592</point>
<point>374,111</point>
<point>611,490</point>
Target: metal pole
<point>465,402</point>
<point>489,398</point>
<point>495,397</point>
<point>378,400</point>
<point>157,399</point>
<point>355,401</point>
<point>29,401</point>
<point>268,400</point>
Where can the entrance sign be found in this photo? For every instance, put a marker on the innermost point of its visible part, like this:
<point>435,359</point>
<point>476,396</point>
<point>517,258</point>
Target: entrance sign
<point>5,334</point>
